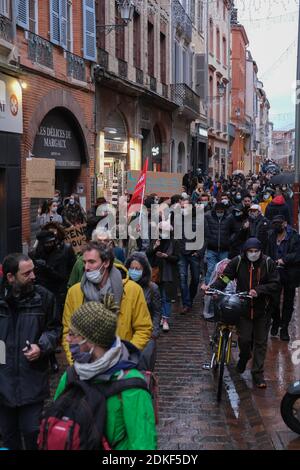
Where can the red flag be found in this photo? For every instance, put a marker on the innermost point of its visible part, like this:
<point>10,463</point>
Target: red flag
<point>139,191</point>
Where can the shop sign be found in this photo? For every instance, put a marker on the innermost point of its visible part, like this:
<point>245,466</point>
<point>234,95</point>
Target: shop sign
<point>111,146</point>
<point>11,110</point>
<point>203,132</point>
<point>57,138</point>
<point>76,236</point>
<point>160,183</point>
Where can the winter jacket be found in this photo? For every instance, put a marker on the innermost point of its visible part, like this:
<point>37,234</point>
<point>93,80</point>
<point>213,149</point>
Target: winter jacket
<point>33,318</point>
<point>264,204</point>
<point>265,280</point>
<point>217,231</point>
<point>130,420</point>
<point>278,207</point>
<point>290,247</point>
<point>134,320</point>
<point>258,228</point>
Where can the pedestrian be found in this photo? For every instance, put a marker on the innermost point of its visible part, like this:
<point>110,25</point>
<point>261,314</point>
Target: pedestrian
<point>50,215</point>
<point>100,357</point>
<point>256,274</point>
<point>30,329</point>
<point>284,249</point>
<point>278,207</point>
<point>73,214</point>
<point>255,226</point>
<point>102,277</point>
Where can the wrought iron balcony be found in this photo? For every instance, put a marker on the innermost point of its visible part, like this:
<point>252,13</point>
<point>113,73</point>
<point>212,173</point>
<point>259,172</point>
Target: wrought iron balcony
<point>75,67</point>
<point>181,21</point>
<point>153,84</point>
<point>6,29</point>
<point>123,68</point>
<point>139,76</point>
<point>185,97</point>
<point>40,50</point>
<point>103,58</point>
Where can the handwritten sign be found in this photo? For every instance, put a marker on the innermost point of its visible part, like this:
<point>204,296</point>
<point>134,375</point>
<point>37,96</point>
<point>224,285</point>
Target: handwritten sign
<point>76,237</point>
<point>162,184</point>
<point>40,178</point>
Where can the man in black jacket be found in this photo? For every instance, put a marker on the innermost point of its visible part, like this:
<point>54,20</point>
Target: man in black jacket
<point>284,249</point>
<point>30,329</point>
<point>255,273</point>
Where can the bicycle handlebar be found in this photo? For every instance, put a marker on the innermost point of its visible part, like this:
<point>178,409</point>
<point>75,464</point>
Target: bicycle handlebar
<point>244,295</point>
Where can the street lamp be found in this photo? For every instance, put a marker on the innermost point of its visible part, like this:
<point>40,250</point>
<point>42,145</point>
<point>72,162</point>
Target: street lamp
<point>126,9</point>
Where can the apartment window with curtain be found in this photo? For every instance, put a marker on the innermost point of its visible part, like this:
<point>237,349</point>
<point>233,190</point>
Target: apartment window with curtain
<point>150,49</point>
<point>163,58</point>
<point>211,36</point>
<point>120,36</point>
<point>137,40</point>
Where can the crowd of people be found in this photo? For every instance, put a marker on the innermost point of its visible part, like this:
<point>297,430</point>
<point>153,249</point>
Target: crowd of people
<point>108,304</point>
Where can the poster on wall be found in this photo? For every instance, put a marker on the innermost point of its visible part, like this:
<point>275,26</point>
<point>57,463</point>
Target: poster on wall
<point>40,178</point>
<point>160,183</point>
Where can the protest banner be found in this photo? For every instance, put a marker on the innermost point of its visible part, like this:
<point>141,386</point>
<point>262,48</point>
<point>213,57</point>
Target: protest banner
<point>76,236</point>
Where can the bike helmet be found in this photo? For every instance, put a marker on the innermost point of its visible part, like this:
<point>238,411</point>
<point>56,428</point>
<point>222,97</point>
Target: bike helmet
<point>230,309</point>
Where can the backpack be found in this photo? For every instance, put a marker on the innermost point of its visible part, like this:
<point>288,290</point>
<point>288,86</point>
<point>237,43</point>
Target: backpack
<point>76,420</point>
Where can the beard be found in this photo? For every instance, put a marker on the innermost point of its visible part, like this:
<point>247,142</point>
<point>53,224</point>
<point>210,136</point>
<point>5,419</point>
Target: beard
<point>21,290</point>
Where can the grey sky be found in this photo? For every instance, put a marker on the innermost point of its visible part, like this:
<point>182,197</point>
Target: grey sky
<point>273,44</point>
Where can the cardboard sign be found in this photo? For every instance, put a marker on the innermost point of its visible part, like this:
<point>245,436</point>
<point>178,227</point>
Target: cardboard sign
<point>162,184</point>
<point>76,237</point>
<point>40,178</point>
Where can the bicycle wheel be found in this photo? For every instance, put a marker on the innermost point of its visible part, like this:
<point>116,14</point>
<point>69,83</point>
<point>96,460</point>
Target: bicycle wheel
<point>224,344</point>
<point>290,411</point>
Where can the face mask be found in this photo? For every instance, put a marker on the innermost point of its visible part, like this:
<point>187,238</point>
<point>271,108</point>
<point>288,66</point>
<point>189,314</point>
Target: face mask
<point>253,256</point>
<point>238,198</point>
<point>220,214</point>
<point>135,274</point>
<point>71,201</point>
<point>204,203</point>
<point>238,214</point>
<point>55,199</point>
<point>284,189</point>
<point>253,215</point>
<point>54,210</point>
<point>95,276</point>
<point>225,202</point>
<point>266,197</point>
<point>78,356</point>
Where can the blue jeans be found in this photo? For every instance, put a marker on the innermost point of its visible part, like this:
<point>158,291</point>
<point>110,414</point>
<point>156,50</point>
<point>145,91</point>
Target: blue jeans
<point>213,258</point>
<point>166,306</point>
<point>188,293</point>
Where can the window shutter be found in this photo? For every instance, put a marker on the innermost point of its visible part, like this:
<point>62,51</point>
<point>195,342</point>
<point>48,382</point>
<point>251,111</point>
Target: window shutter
<point>63,23</point>
<point>54,22</point>
<point>23,13</point>
<point>200,75</point>
<point>89,30</point>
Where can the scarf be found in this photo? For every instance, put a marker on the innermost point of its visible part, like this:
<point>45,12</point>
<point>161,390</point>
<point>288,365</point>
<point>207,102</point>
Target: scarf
<point>101,365</point>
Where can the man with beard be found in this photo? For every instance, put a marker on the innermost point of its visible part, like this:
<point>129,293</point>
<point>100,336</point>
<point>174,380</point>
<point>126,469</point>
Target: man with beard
<point>30,329</point>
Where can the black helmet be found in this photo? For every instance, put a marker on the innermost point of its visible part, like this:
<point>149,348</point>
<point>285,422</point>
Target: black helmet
<point>230,309</point>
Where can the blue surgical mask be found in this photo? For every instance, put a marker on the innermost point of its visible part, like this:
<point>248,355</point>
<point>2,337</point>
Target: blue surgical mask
<point>80,356</point>
<point>95,277</point>
<point>135,274</point>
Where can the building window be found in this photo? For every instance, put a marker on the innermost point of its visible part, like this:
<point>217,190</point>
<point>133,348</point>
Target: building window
<point>120,36</point>
<point>69,27</point>
<point>150,49</point>
<point>33,16</point>
<point>218,45</point>
<point>200,16</point>
<point>224,52</point>
<point>4,8</point>
<point>137,40</point>
<point>101,16</point>
<point>163,59</point>
<point>211,36</point>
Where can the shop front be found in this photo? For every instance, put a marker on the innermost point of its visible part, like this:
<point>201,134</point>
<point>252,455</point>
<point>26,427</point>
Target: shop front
<point>199,153</point>
<point>11,128</point>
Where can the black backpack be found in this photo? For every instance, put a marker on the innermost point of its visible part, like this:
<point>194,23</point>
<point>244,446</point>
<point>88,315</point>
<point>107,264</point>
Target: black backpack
<point>76,420</point>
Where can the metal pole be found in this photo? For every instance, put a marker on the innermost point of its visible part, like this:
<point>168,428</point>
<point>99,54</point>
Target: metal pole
<point>297,137</point>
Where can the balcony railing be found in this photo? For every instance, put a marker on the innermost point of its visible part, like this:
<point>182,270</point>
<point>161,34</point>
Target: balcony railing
<point>181,21</point>
<point>139,76</point>
<point>184,96</point>
<point>76,67</point>
<point>40,50</point>
<point>103,58</point>
<point>153,84</point>
<point>123,68</point>
<point>6,29</point>
<point>165,91</point>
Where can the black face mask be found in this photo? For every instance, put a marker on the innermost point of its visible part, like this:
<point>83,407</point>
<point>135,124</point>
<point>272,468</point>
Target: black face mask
<point>278,229</point>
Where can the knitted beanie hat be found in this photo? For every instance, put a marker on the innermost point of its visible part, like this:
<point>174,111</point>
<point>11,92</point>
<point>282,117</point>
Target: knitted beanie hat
<point>97,322</point>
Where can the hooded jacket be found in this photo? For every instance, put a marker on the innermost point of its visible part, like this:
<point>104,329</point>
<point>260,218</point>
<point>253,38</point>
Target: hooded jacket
<point>134,320</point>
<point>130,420</point>
<point>278,207</point>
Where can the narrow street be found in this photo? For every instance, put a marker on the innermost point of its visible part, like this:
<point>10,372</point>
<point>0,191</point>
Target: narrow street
<point>247,418</point>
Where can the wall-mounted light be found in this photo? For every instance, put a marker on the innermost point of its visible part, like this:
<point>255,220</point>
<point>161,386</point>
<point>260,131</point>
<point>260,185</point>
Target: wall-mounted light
<point>24,85</point>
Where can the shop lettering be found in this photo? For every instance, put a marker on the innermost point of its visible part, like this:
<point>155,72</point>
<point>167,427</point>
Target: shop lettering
<point>55,138</point>
<point>55,143</point>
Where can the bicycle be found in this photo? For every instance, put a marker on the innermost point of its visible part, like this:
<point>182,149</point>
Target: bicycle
<point>228,315</point>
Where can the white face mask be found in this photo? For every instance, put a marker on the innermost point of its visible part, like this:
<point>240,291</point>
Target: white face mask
<point>95,276</point>
<point>253,256</point>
